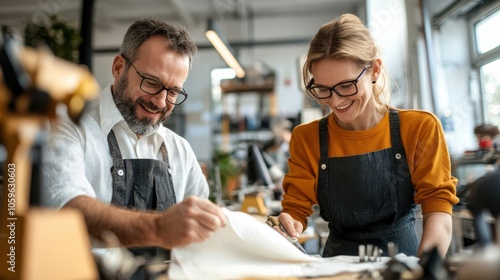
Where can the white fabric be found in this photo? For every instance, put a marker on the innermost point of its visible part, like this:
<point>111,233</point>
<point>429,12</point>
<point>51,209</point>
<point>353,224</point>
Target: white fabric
<point>247,248</point>
<point>77,159</point>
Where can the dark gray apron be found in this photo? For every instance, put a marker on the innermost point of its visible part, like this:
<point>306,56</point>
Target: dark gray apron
<point>142,184</point>
<point>368,198</point>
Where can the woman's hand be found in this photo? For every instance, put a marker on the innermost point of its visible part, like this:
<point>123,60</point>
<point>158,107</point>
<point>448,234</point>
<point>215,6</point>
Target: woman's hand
<point>292,226</point>
<point>437,229</point>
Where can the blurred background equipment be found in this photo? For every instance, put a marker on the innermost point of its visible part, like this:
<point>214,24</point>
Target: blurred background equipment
<point>484,197</point>
<point>257,169</point>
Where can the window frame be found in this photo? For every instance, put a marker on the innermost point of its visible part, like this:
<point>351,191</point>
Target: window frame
<point>478,60</point>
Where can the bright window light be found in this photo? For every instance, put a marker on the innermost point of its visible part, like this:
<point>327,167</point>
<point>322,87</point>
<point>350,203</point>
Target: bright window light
<point>223,73</point>
<point>217,76</point>
<point>487,37</point>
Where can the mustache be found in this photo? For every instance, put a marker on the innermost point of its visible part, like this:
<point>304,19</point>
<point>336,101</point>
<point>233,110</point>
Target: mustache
<point>150,106</point>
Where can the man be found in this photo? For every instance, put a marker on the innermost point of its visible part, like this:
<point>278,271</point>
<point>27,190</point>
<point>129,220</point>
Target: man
<point>120,162</point>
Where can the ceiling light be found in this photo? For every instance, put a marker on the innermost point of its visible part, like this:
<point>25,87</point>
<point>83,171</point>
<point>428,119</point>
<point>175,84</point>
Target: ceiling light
<point>220,43</point>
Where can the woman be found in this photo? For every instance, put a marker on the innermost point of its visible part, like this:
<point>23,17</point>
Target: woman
<point>366,164</point>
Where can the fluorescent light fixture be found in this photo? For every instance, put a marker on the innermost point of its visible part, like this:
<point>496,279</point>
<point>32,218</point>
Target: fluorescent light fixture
<point>222,46</point>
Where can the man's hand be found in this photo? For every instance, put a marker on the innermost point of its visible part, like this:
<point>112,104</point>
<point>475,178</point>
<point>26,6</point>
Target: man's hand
<point>191,221</point>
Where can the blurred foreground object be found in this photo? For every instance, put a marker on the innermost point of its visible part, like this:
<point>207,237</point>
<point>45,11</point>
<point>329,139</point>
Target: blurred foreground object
<point>38,243</point>
<point>484,196</point>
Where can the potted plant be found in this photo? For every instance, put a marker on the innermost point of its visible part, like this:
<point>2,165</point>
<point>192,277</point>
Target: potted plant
<point>225,173</point>
<point>61,37</point>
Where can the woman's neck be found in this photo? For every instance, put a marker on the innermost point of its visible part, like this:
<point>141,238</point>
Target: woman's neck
<point>370,118</point>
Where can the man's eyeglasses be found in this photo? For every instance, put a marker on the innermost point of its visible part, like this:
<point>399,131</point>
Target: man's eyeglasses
<point>343,89</point>
<point>151,86</point>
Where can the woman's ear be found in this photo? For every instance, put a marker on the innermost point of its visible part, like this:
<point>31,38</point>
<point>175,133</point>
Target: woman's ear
<point>376,68</point>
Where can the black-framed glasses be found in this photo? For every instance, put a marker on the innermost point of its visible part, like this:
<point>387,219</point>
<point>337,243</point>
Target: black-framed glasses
<point>151,86</point>
<point>344,89</point>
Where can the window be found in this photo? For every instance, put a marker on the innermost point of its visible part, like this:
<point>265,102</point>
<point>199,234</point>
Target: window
<point>490,81</point>
<point>487,61</point>
<point>487,37</point>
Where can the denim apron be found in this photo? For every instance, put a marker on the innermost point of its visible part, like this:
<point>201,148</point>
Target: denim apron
<point>368,198</point>
<point>142,184</point>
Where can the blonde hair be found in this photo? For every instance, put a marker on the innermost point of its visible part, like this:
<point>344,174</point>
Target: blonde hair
<point>347,37</point>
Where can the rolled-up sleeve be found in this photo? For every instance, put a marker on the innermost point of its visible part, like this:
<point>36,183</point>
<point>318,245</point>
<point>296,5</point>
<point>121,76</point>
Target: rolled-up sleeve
<point>63,166</point>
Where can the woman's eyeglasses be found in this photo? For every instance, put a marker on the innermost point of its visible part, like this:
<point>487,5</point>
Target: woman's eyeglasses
<point>343,89</point>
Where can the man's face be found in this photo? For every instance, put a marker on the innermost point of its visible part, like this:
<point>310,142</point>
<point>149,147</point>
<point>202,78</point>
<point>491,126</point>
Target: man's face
<point>129,108</point>
<point>144,112</point>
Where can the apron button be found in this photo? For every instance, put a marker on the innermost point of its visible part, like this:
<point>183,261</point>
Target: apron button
<point>120,172</point>
<point>323,166</point>
<point>398,156</point>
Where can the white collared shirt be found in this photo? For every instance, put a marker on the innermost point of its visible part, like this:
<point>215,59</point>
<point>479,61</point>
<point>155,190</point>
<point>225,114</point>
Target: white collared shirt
<point>77,160</point>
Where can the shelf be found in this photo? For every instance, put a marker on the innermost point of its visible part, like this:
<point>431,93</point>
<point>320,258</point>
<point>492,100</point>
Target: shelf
<point>253,103</point>
<point>235,87</point>
<point>246,136</point>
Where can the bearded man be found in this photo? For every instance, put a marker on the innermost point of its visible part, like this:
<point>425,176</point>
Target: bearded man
<point>125,171</point>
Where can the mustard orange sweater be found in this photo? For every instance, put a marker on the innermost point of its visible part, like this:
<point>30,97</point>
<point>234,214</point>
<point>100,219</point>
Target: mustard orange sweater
<point>426,151</point>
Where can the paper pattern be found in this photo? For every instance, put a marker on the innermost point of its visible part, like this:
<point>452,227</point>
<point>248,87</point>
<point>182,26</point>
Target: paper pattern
<point>249,248</point>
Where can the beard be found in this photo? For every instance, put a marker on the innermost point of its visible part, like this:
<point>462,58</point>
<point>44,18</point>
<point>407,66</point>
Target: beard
<point>127,108</point>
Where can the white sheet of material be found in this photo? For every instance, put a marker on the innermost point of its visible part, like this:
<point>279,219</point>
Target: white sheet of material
<point>249,248</point>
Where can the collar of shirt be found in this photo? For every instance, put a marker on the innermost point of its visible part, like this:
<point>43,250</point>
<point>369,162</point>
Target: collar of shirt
<point>147,146</point>
<point>108,112</point>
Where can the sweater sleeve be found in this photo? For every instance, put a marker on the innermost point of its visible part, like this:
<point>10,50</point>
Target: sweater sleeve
<point>430,165</point>
<point>300,183</point>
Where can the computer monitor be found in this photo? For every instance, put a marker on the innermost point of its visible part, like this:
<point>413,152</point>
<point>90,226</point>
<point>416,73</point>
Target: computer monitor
<point>257,170</point>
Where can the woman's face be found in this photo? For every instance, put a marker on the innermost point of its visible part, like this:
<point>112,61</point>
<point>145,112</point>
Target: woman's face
<point>352,112</point>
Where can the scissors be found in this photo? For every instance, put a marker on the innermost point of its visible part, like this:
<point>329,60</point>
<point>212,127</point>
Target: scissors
<point>273,221</point>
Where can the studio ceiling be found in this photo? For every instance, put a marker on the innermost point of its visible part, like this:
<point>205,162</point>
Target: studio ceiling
<point>14,13</point>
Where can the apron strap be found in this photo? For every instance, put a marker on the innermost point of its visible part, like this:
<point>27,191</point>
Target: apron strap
<point>321,190</point>
<point>405,196</point>
<point>323,137</point>
<point>397,144</point>
<point>114,149</point>
<point>323,149</point>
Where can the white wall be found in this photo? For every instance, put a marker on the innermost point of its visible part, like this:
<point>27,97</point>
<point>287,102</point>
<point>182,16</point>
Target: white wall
<point>454,69</point>
<point>388,24</point>
<point>451,83</point>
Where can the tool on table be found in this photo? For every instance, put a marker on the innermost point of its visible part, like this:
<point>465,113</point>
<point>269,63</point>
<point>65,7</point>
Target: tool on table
<point>396,268</point>
<point>369,253</point>
<point>273,221</point>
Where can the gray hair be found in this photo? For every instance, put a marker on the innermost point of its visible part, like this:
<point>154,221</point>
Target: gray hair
<point>145,28</point>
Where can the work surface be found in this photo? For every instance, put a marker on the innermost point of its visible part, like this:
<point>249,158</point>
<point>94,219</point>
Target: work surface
<point>249,249</point>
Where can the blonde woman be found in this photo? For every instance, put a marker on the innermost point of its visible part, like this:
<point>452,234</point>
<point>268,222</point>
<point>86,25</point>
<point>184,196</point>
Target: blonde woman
<point>366,164</point>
